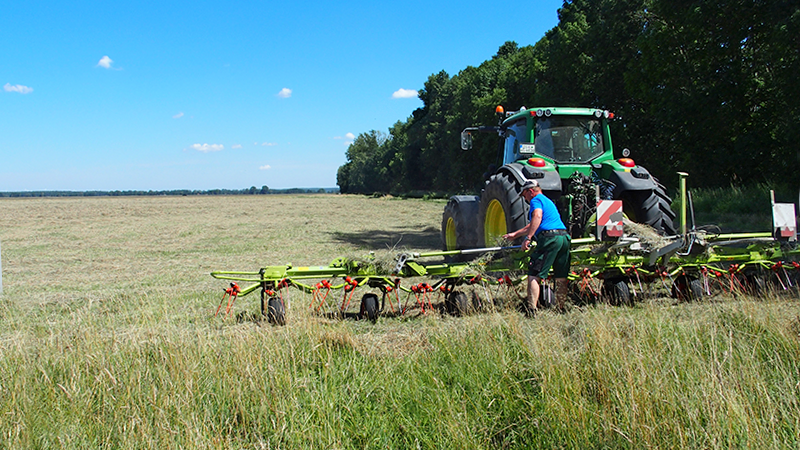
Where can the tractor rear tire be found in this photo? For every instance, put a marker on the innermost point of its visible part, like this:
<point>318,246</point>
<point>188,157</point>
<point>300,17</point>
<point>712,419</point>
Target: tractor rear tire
<point>460,224</point>
<point>651,208</point>
<point>502,210</point>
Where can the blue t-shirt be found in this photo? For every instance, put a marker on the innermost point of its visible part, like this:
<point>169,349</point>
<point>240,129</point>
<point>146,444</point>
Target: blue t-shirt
<point>551,219</point>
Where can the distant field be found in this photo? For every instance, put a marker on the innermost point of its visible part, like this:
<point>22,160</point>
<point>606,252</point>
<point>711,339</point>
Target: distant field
<point>107,340</point>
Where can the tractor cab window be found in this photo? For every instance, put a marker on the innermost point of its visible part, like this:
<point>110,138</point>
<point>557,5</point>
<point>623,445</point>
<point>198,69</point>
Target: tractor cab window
<point>569,139</point>
<point>516,136</point>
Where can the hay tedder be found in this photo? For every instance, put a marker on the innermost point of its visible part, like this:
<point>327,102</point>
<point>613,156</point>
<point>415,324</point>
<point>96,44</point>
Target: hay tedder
<point>620,263</point>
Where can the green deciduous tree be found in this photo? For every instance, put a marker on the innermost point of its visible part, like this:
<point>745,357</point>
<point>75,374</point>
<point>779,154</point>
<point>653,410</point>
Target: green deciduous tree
<point>365,169</point>
<point>703,86</point>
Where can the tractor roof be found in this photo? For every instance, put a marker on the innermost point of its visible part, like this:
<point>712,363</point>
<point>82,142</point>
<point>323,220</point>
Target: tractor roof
<point>556,111</point>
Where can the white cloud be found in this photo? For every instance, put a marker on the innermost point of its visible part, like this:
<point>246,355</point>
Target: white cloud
<point>285,93</point>
<point>269,144</point>
<point>265,167</point>
<point>178,116</point>
<point>348,138</point>
<point>17,88</point>
<point>105,62</point>
<point>205,148</point>
<point>404,93</point>
<point>236,146</point>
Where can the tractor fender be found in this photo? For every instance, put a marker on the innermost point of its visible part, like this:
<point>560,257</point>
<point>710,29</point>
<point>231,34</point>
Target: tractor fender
<point>550,181</point>
<point>637,179</point>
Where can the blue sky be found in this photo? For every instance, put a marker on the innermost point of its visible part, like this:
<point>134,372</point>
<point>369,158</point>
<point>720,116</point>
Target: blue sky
<point>203,95</point>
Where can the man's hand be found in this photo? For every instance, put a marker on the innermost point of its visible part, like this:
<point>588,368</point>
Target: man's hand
<point>526,243</point>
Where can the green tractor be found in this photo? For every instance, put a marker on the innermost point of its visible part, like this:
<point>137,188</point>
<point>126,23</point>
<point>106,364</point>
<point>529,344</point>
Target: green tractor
<point>568,151</point>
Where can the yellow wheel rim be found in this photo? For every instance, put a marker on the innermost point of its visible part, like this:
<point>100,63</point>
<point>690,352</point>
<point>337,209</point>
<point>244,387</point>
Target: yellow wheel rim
<point>494,224</point>
<point>450,234</point>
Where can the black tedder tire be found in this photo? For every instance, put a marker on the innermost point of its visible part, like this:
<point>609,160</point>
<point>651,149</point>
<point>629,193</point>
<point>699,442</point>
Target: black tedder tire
<point>757,286</point>
<point>457,303</point>
<point>460,223</point>
<point>618,292</point>
<point>369,307</point>
<point>502,210</point>
<point>687,289</point>
<point>547,297</point>
<point>651,208</point>
<point>276,311</point>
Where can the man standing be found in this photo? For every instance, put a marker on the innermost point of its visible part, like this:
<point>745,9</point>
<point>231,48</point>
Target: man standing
<point>552,245</point>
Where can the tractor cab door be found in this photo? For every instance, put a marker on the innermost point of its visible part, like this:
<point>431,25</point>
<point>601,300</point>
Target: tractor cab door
<point>516,134</point>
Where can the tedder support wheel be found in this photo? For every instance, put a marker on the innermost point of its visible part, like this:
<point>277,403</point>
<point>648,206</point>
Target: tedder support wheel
<point>369,307</point>
<point>618,292</point>
<point>276,311</point>
<point>651,208</point>
<point>460,223</point>
<point>687,289</point>
<point>457,303</point>
<point>547,297</point>
<point>757,285</point>
<point>502,210</point>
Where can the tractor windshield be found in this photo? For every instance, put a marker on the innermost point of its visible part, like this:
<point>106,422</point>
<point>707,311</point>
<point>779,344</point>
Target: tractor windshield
<point>569,139</point>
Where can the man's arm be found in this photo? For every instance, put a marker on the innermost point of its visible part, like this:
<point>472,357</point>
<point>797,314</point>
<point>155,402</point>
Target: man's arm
<point>514,234</point>
<point>528,230</point>
<point>536,220</point>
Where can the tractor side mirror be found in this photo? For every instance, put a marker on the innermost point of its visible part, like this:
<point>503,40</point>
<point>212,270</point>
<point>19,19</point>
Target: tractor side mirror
<point>466,140</point>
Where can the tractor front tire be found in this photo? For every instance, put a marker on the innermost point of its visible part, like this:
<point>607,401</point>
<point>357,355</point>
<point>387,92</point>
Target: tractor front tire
<point>460,223</point>
<point>502,210</point>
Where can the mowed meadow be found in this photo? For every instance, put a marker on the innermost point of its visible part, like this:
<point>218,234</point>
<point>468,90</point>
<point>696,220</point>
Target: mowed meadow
<point>108,340</point>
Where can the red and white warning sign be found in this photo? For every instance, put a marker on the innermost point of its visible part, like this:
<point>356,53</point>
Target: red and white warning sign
<point>609,218</point>
<point>784,225</point>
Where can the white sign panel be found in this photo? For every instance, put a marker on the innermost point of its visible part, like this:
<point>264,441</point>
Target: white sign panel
<point>784,224</point>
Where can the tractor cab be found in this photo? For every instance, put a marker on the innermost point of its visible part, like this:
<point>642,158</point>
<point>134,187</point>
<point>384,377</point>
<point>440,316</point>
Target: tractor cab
<point>559,135</point>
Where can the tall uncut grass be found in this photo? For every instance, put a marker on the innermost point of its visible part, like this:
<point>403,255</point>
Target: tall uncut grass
<point>108,340</point>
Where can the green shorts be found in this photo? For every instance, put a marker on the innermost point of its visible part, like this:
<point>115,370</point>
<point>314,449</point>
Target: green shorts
<point>550,251</point>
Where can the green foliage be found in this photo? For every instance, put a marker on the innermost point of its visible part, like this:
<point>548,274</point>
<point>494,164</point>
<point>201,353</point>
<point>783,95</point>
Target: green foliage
<point>365,168</point>
<point>705,87</point>
<point>737,208</point>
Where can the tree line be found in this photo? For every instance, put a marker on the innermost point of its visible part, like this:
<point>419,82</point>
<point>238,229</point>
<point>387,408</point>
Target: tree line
<point>263,190</point>
<point>708,87</point>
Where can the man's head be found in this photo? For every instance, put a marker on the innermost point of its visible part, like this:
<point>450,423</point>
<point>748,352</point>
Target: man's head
<point>529,189</point>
